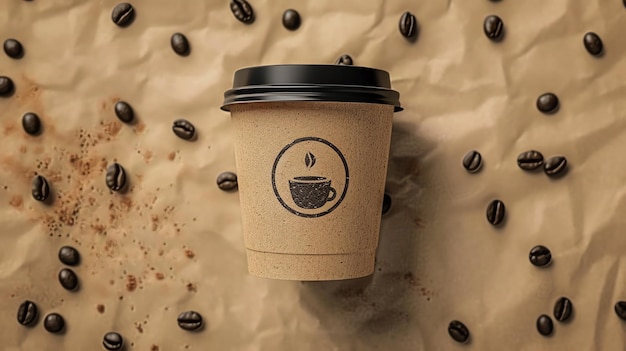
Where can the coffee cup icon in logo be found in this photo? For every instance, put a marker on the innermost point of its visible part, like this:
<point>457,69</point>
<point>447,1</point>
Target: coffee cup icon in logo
<point>311,192</point>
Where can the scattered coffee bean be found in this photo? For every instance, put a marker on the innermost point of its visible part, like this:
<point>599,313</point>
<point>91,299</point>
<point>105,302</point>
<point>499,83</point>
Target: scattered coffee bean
<point>190,320</point>
<point>540,256</point>
<point>472,161</point>
<point>123,14</point>
<point>242,11</point>
<point>545,325</point>
<point>227,181</point>
<point>530,160</point>
<point>386,203</point>
<point>68,279</point>
<point>180,44</point>
<point>620,306</point>
<point>495,212</point>
<point>458,331</point>
<point>112,341</point>
<point>40,188</point>
<point>31,123</point>
<point>13,48</point>
<point>408,25</point>
<point>27,313</point>
<point>563,309</point>
<point>184,129</point>
<point>6,86</point>
<point>593,43</point>
<point>493,26</point>
<point>124,111</point>
<point>69,256</point>
<point>291,19</point>
<point>548,103</point>
<point>115,177</point>
<point>54,323</point>
<point>344,60</point>
<point>555,166</point>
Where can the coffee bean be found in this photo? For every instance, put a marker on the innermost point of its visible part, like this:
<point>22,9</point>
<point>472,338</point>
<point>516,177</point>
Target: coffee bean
<point>344,60</point>
<point>242,11</point>
<point>69,256</point>
<point>291,19</point>
<point>563,309</point>
<point>493,26</point>
<point>40,188</point>
<point>593,43</point>
<point>458,331</point>
<point>555,166</point>
<point>408,25</point>
<point>112,341</point>
<point>386,203</point>
<point>548,103</point>
<point>495,212</point>
<point>545,325</point>
<point>472,161</point>
<point>123,14</point>
<point>54,323</point>
<point>6,86</point>
<point>124,111</point>
<point>530,160</point>
<point>620,308</point>
<point>13,48</point>
<point>115,177</point>
<point>227,181</point>
<point>180,44</point>
<point>184,129</point>
<point>190,320</point>
<point>31,123</point>
<point>540,256</point>
<point>27,313</point>
<point>68,279</point>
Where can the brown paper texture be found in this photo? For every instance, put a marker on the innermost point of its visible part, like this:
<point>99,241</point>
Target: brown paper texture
<point>174,242</point>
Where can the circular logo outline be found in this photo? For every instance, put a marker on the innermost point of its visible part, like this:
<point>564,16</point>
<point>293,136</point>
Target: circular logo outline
<point>345,188</point>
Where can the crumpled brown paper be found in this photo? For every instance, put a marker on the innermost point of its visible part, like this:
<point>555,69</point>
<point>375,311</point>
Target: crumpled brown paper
<point>174,242</point>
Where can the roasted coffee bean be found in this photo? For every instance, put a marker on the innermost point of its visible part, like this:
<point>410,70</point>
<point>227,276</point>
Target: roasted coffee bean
<point>620,306</point>
<point>31,123</point>
<point>344,60</point>
<point>6,86</point>
<point>545,325</point>
<point>408,25</point>
<point>40,188</point>
<point>563,309</point>
<point>548,103</point>
<point>112,341</point>
<point>291,19</point>
<point>472,161</point>
<point>68,279</point>
<point>227,181</point>
<point>242,11</point>
<point>27,313</point>
<point>115,177</point>
<point>386,203</point>
<point>54,323</point>
<point>69,256</point>
<point>493,26</point>
<point>123,14</point>
<point>593,43</point>
<point>495,212</point>
<point>530,160</point>
<point>180,44</point>
<point>458,331</point>
<point>540,256</point>
<point>190,320</point>
<point>555,166</point>
<point>124,111</point>
<point>184,129</point>
<point>13,48</point>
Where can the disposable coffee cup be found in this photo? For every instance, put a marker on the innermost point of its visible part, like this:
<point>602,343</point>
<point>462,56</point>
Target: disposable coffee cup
<point>311,147</point>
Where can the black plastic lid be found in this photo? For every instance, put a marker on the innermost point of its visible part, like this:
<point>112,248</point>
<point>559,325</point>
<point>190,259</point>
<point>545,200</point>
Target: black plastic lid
<point>340,83</point>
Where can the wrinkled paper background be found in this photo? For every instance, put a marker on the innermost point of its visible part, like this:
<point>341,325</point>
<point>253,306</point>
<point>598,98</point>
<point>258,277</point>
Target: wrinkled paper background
<point>180,236</point>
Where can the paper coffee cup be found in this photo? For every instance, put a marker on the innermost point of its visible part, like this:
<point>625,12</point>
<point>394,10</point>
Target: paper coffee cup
<point>311,148</point>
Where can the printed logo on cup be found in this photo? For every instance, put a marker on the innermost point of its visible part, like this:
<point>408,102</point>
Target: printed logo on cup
<point>310,177</point>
